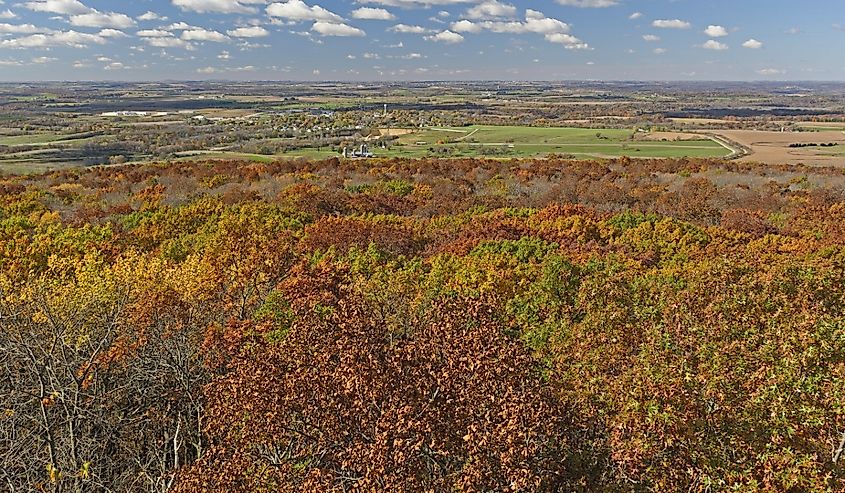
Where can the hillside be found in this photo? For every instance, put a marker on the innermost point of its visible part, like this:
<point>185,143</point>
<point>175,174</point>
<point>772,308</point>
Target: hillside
<point>423,325</point>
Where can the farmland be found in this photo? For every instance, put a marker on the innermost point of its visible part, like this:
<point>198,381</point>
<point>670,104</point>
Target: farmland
<point>774,147</point>
<point>520,142</point>
<point>51,126</point>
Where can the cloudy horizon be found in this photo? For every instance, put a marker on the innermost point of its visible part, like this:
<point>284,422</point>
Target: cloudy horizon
<point>406,40</point>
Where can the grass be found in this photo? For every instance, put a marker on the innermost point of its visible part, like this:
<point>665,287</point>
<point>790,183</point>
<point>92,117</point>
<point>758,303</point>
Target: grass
<point>231,155</point>
<point>473,141</point>
<point>26,167</point>
<point>509,141</point>
<point>39,139</point>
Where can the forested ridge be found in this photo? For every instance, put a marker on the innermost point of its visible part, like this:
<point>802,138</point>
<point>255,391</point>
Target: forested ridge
<point>423,325</point>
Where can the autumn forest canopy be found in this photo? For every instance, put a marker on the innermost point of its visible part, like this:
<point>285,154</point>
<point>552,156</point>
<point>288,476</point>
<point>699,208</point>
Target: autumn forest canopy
<point>425,325</point>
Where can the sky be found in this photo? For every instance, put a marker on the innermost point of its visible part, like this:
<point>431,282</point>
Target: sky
<point>397,40</point>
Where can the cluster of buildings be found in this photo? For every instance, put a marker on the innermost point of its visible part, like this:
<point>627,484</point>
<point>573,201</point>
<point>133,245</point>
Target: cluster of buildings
<point>362,152</point>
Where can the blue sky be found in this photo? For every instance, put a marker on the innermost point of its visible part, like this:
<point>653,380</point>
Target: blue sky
<point>422,40</point>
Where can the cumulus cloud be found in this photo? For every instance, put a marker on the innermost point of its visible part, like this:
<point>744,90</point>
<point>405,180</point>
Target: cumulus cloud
<point>416,3</point>
<point>153,33</point>
<point>716,31</point>
<point>569,41</point>
<point>635,16</point>
<point>112,33</point>
<point>169,42</point>
<point>651,38</point>
<point>248,32</point>
<point>219,6</point>
<point>368,13</point>
<point>591,4</point>
<point>768,72</point>
<point>151,16</point>
<point>712,44</point>
<point>407,29</point>
<point>71,39</point>
<point>491,9</point>
<point>8,14</point>
<point>336,29</point>
<point>21,29</point>
<point>554,30</point>
<point>671,24</point>
<point>297,10</point>
<point>102,19</point>
<point>64,7</point>
<point>203,35</point>
<point>752,44</point>
<point>446,37</point>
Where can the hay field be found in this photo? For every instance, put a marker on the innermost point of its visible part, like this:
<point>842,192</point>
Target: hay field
<point>773,147</point>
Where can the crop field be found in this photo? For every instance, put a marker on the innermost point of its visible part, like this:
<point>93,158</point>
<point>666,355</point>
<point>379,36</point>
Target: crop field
<point>533,141</point>
<point>31,139</point>
<point>513,141</point>
<point>774,147</point>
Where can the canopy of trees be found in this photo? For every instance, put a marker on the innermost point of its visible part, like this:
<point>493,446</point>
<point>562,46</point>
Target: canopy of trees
<point>423,326</point>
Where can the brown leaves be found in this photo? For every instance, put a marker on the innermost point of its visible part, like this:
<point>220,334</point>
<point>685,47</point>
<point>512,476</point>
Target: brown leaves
<point>454,405</point>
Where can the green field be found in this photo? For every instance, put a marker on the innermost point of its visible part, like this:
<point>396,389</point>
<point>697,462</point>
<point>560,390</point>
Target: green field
<point>41,139</point>
<point>506,141</point>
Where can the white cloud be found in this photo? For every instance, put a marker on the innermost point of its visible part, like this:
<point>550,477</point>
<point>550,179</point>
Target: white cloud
<point>651,38</point>
<point>8,14</point>
<point>635,16</point>
<point>169,42</point>
<point>771,71</point>
<point>716,31</point>
<point>446,37</point>
<point>21,29</point>
<point>671,24</point>
<point>465,26</point>
<point>659,51</point>
<point>112,33</point>
<point>102,19</point>
<point>406,29</point>
<point>368,13</point>
<point>72,39</point>
<point>219,6</point>
<point>416,3</point>
<point>64,7</point>
<point>569,41</point>
<point>589,3</point>
<point>336,29</point>
<point>752,44</point>
<point>554,30</point>
<point>297,10</point>
<point>151,16</point>
<point>203,35</point>
<point>712,44</point>
<point>248,32</point>
<point>491,9</point>
<point>153,33</point>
